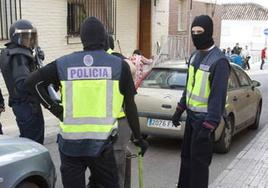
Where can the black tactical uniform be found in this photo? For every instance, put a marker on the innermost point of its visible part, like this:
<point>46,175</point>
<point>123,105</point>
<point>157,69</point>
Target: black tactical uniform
<point>17,62</point>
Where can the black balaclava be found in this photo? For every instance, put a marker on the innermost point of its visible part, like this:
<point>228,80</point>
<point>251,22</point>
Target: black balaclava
<point>204,40</point>
<point>93,34</point>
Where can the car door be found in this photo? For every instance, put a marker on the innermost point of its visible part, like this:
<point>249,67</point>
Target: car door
<point>246,95</point>
<point>234,100</point>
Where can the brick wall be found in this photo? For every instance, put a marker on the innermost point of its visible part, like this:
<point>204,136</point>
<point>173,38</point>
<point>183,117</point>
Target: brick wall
<point>205,8</point>
<point>160,22</point>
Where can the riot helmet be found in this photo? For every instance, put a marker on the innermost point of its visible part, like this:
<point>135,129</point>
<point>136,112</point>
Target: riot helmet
<point>23,33</point>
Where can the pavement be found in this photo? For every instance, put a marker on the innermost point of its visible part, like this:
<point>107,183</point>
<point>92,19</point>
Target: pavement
<point>249,169</point>
<point>10,128</point>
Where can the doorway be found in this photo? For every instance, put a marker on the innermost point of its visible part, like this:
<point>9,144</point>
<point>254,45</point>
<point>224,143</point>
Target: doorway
<point>145,27</point>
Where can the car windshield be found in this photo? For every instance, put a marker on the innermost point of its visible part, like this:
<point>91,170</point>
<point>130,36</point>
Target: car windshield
<point>165,78</point>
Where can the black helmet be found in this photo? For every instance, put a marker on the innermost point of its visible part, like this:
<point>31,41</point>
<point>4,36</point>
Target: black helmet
<point>23,33</point>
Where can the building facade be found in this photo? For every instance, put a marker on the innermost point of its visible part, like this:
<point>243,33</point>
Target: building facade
<point>245,24</point>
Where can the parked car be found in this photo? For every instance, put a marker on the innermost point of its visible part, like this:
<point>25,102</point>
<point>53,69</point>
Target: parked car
<point>25,164</point>
<point>162,88</point>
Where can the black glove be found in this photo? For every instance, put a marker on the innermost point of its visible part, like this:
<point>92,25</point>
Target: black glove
<point>176,117</point>
<point>143,144</point>
<point>57,110</point>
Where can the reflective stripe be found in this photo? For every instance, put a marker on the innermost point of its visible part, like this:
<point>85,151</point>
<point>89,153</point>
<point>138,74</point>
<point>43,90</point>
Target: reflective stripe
<point>196,98</point>
<point>197,109</point>
<point>69,119</point>
<point>85,135</point>
<point>204,81</point>
<point>99,132</point>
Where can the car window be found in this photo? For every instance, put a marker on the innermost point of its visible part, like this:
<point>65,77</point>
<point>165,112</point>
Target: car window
<point>243,78</point>
<point>232,82</point>
<point>165,78</point>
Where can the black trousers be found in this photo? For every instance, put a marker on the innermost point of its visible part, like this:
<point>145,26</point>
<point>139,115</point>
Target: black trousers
<point>121,152</point>
<point>262,62</point>
<point>196,154</point>
<point>30,120</point>
<point>1,131</point>
<point>103,170</point>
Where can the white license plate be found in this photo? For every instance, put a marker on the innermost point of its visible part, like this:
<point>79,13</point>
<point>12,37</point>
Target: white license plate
<point>160,123</point>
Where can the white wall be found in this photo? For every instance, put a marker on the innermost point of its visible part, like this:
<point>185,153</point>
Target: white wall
<point>248,32</point>
<point>160,22</point>
<point>127,25</point>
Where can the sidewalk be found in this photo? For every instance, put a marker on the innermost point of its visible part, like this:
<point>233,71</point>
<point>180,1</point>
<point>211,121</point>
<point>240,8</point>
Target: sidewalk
<point>10,126</point>
<point>250,167</point>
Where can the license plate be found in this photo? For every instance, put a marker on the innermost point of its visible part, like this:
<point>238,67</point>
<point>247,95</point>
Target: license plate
<point>160,123</point>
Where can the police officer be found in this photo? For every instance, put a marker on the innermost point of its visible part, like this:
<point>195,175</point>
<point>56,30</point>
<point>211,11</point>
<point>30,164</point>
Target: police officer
<point>93,86</point>
<point>110,50</point>
<point>204,100</point>
<point>17,61</point>
<point>121,151</point>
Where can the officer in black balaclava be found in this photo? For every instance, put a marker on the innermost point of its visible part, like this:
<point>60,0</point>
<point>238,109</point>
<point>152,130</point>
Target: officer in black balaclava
<point>94,85</point>
<point>202,31</point>
<point>17,62</point>
<point>204,100</point>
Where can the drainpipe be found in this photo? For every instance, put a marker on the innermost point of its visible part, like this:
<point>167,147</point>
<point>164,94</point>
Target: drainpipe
<point>189,29</point>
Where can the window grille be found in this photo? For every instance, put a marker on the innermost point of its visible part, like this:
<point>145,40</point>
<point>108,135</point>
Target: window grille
<point>10,11</point>
<point>78,10</point>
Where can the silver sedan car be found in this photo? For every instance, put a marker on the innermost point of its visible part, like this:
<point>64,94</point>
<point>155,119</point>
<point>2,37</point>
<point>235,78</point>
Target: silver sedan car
<point>162,88</point>
<point>25,164</point>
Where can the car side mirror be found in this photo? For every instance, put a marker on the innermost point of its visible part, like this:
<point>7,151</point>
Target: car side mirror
<point>255,83</point>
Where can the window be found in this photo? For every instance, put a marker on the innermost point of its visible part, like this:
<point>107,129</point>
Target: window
<point>10,11</point>
<point>165,78</point>
<point>78,10</point>
<point>232,82</point>
<point>242,77</point>
<point>182,11</point>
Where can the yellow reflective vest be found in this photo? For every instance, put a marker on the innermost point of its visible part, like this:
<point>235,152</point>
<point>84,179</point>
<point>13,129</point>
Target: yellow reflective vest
<point>91,96</point>
<point>198,84</point>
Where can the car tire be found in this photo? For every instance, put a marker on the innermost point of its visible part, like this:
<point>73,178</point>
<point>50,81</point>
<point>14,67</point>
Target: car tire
<point>27,184</point>
<point>256,123</point>
<point>223,145</point>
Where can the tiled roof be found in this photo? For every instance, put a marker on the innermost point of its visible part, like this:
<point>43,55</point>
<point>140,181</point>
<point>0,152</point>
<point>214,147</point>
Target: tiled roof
<point>245,11</point>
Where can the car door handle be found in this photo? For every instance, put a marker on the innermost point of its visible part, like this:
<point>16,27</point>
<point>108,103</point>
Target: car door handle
<point>235,98</point>
<point>166,106</point>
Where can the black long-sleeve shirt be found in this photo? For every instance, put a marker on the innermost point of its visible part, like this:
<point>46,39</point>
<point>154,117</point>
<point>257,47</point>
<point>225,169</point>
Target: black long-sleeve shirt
<point>220,71</point>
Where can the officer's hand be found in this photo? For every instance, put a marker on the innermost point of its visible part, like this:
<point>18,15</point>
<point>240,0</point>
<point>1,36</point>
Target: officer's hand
<point>176,117</point>
<point>40,54</point>
<point>206,130</point>
<point>57,110</point>
<point>143,144</point>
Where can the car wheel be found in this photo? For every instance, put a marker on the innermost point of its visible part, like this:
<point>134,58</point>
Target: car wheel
<point>223,145</point>
<point>256,123</point>
<point>27,184</point>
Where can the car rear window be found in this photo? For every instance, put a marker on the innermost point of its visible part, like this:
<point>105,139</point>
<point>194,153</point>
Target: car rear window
<point>165,78</point>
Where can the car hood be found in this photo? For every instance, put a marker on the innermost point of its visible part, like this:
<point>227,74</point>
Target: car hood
<point>14,149</point>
